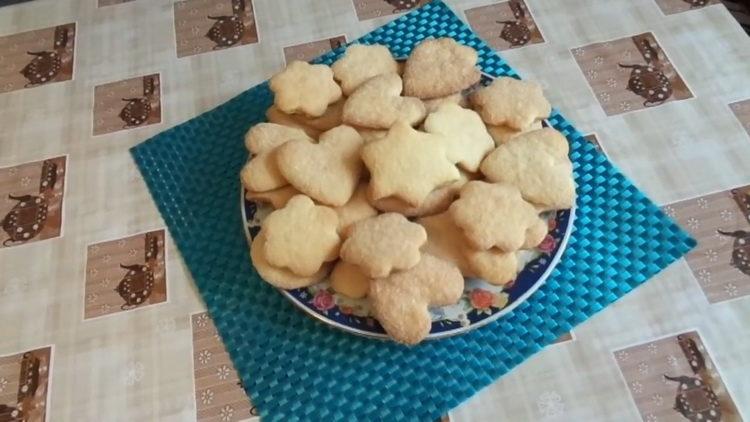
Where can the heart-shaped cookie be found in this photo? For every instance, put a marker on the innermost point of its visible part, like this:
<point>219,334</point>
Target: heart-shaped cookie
<point>327,171</point>
<point>440,67</point>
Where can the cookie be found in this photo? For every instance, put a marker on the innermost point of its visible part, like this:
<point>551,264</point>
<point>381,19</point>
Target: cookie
<point>537,163</point>
<point>382,244</point>
<point>493,215</point>
<point>465,137</point>
<point>304,88</point>
<point>360,63</point>
<point>440,67</point>
<point>446,241</point>
<point>301,236</point>
<point>369,135</point>
<point>535,235</point>
<point>349,280</point>
<point>408,164</point>
<point>436,202</point>
<point>501,134</point>
<point>261,173</point>
<point>281,277</point>
<point>331,118</point>
<point>327,171</point>
<point>511,102</point>
<point>277,197</point>
<point>378,103</point>
<point>401,301</point>
<point>493,265</point>
<point>274,115</point>
<point>433,104</point>
<point>267,136</point>
<point>358,208</point>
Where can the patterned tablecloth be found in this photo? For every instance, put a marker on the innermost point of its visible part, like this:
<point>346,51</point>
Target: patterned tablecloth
<point>99,320</point>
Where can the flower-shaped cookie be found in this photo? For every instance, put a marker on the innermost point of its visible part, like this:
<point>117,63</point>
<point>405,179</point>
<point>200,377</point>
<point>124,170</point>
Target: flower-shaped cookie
<point>301,236</point>
<point>494,215</point>
<point>440,67</point>
<point>509,101</point>
<point>465,137</point>
<point>408,164</point>
<point>327,171</point>
<point>362,62</point>
<point>281,277</point>
<point>305,88</point>
<point>537,163</point>
<point>382,244</point>
<point>378,103</point>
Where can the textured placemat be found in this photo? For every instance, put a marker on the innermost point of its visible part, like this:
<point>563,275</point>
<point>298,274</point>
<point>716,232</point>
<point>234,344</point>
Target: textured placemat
<point>295,368</point>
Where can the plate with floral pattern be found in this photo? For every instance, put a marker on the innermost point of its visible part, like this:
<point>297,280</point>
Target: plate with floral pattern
<point>480,302</point>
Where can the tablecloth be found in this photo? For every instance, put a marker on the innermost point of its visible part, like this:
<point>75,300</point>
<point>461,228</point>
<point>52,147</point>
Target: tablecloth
<point>82,81</point>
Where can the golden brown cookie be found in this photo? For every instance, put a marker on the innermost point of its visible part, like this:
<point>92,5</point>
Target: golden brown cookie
<point>433,104</point>
<point>535,235</point>
<point>408,164</point>
<point>447,242</point>
<point>261,172</point>
<point>267,136</point>
<point>382,244</point>
<point>440,67</point>
<point>501,134</point>
<point>361,63</point>
<point>465,137</point>
<point>378,103</point>
<point>537,163</point>
<point>277,197</point>
<point>493,265</point>
<point>281,277</point>
<point>511,102</point>
<point>327,171</point>
<point>274,115</point>
<point>304,88</point>
<point>301,236</point>
<point>436,202</point>
<point>358,208</point>
<point>401,301</point>
<point>493,215</point>
<point>349,280</point>
<point>331,118</point>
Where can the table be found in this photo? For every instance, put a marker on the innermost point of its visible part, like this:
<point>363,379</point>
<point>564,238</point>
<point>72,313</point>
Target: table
<point>101,321</point>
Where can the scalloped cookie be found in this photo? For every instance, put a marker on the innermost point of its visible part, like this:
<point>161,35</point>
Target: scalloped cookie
<point>267,136</point>
<point>493,215</point>
<point>281,277</point>
<point>277,197</point>
<point>511,102</point>
<point>332,117</point>
<point>301,236</point>
<point>349,280</point>
<point>274,115</point>
<point>440,67</point>
<point>382,244</point>
<point>261,173</point>
<point>436,202</point>
<point>434,103</point>
<point>360,63</point>
<point>446,241</point>
<point>304,88</point>
<point>358,208</point>
<point>408,164</point>
<point>465,137</point>
<point>537,163</point>
<point>327,171</point>
<point>378,103</point>
<point>493,265</point>
<point>501,134</point>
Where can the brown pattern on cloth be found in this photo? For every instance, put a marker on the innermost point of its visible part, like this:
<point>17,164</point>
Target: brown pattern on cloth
<point>719,222</point>
<point>505,25</point>
<point>127,104</point>
<point>310,50</point>
<point>630,74</point>
<point>125,274</point>
<point>112,2</point>
<point>37,57</point>
<point>675,379</point>
<point>208,25</point>
<point>24,385</point>
<point>368,9</point>
<point>31,201</point>
<point>741,110</point>
<point>219,395</point>
<point>669,7</point>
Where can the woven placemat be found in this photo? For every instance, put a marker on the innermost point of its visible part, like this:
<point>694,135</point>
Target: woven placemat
<point>295,368</point>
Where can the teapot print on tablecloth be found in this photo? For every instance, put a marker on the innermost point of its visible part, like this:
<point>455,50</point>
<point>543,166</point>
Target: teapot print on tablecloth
<point>136,111</point>
<point>741,245</point>
<point>29,215</point>
<point>516,32</point>
<point>138,283</point>
<point>695,4</point>
<point>228,30</point>
<point>402,5</point>
<point>28,383</point>
<point>46,65</point>
<point>648,80</point>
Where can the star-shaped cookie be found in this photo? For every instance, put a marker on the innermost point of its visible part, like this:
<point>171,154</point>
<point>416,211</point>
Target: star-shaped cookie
<point>509,101</point>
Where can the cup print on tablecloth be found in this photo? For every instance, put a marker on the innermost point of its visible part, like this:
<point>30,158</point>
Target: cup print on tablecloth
<point>308,51</point>
<point>112,2</point>
<point>741,110</point>
<point>631,73</point>
<point>37,57</point>
<point>219,395</point>
<point>505,25</point>
<point>31,201</point>
<point>125,274</point>
<point>669,7</point>
<point>24,385</point>
<point>675,379</point>
<point>127,104</point>
<point>368,9</point>
<point>719,222</point>
<point>209,25</point>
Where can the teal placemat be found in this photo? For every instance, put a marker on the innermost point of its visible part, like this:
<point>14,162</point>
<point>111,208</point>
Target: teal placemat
<point>295,368</point>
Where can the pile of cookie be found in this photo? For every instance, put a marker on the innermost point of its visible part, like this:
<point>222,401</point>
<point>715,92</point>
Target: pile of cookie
<point>399,181</point>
